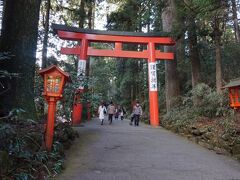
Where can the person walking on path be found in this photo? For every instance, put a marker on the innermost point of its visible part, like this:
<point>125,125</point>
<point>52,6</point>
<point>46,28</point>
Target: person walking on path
<point>132,119</point>
<point>137,111</point>
<point>116,112</point>
<point>122,112</point>
<point>110,110</point>
<point>101,112</point>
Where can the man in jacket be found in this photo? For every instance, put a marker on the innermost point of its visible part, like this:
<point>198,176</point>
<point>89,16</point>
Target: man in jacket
<point>110,110</point>
<point>137,111</point>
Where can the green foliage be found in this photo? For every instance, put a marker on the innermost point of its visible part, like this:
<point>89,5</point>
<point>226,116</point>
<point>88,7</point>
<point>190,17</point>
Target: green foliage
<point>103,76</point>
<point>5,76</point>
<point>209,104</point>
<point>22,155</point>
<point>64,135</point>
<point>231,54</point>
<point>126,18</point>
<point>133,15</point>
<point>201,90</point>
<point>181,116</point>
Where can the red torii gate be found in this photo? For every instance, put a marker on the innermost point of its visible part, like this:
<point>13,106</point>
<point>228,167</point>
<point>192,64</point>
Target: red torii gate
<point>118,38</point>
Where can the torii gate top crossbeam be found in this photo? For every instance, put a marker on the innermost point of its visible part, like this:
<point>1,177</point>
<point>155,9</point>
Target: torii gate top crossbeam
<point>59,27</point>
<point>117,37</point>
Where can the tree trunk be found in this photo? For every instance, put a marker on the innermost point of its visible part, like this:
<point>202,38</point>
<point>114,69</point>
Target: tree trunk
<point>218,65</point>
<point>217,40</point>
<point>171,75</point>
<point>82,14</point>
<point>46,30</point>
<point>193,52</point>
<point>90,26</point>
<point>90,13</point>
<point>19,36</point>
<point>181,49</point>
<point>235,21</point>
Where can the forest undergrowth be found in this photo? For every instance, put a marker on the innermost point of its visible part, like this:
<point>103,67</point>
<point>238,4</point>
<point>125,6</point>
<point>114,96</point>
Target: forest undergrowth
<point>205,117</point>
<point>22,151</point>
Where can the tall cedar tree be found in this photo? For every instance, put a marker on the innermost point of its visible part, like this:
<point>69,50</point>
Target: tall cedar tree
<point>47,4</point>
<point>193,51</point>
<point>19,36</point>
<point>218,26</point>
<point>171,75</point>
<point>235,20</point>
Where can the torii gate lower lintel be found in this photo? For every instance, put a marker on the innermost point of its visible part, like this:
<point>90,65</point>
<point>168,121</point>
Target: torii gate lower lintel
<point>118,38</point>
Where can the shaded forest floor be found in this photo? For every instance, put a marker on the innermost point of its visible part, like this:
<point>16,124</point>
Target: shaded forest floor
<point>22,151</point>
<point>219,134</point>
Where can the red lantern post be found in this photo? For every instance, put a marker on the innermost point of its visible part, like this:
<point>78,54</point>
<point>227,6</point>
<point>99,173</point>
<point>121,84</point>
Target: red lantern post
<point>54,80</point>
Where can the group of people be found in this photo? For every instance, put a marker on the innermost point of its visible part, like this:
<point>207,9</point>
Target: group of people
<point>114,111</point>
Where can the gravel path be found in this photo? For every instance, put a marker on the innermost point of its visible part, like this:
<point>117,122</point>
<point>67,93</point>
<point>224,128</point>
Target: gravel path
<point>123,152</point>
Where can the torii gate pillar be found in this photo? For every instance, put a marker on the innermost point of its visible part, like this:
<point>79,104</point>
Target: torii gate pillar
<point>77,106</point>
<point>153,91</point>
<point>118,39</point>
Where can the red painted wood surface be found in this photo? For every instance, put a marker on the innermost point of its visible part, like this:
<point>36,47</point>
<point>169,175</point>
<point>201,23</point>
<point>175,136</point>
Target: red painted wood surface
<point>234,95</point>
<point>77,113</point>
<point>118,53</point>
<point>50,123</point>
<point>153,95</point>
<point>75,36</point>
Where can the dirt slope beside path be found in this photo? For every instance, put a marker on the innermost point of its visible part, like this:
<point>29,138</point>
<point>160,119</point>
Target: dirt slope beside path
<point>123,152</point>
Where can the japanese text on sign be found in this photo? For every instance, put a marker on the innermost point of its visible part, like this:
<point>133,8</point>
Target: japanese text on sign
<point>152,70</point>
<point>81,67</point>
<point>81,72</point>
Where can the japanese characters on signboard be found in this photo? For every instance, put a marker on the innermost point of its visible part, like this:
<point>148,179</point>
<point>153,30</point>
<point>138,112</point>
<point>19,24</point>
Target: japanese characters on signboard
<point>81,67</point>
<point>81,71</point>
<point>152,70</point>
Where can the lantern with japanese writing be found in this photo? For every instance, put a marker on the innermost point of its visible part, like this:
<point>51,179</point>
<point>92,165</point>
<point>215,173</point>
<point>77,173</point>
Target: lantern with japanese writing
<point>54,80</point>
<point>234,93</point>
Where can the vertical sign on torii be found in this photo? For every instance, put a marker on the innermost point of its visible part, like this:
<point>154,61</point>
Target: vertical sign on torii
<point>118,38</point>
